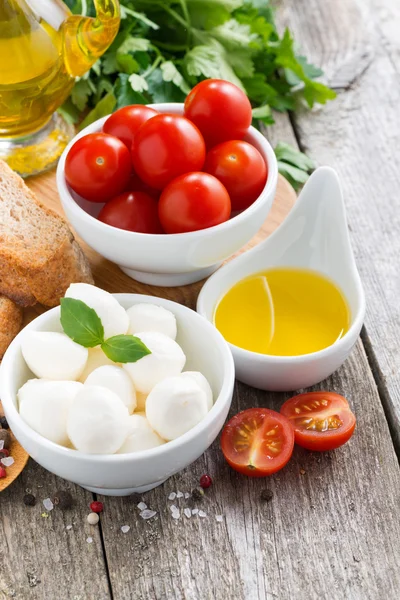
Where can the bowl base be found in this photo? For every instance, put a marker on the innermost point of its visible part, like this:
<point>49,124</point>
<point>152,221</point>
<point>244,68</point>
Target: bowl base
<point>171,279</point>
<point>124,491</point>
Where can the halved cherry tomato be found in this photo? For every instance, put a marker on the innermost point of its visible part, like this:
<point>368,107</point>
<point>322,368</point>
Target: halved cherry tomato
<point>98,167</point>
<point>257,442</point>
<point>320,420</point>
<point>242,170</point>
<point>133,211</point>
<point>193,201</point>
<point>220,110</point>
<point>165,147</point>
<point>125,122</point>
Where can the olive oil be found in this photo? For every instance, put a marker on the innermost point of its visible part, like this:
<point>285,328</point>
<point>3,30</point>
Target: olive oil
<point>43,47</point>
<point>283,312</point>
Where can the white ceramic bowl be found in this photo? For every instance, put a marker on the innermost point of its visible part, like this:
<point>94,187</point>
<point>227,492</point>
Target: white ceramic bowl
<point>168,260</point>
<point>123,474</point>
<point>313,236</point>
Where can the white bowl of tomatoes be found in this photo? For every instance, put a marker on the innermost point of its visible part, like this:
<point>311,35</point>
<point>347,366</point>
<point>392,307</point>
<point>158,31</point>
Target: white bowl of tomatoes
<point>169,191</point>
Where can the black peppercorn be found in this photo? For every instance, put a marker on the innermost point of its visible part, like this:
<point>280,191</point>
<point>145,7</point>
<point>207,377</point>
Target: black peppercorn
<point>198,494</point>
<point>5,437</point>
<point>29,500</point>
<point>266,496</point>
<point>63,499</point>
<point>3,423</point>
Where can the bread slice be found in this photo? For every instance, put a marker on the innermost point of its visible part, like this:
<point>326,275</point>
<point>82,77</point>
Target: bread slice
<point>39,256</point>
<point>10,323</point>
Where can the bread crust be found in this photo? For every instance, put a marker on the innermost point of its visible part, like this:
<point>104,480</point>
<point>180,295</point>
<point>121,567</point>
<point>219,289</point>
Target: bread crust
<point>10,323</point>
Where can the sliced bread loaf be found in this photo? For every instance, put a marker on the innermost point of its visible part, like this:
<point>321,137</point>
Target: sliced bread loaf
<point>10,323</point>
<point>39,256</point>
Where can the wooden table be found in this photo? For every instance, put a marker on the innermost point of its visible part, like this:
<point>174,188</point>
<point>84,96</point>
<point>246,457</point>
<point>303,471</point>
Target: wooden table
<point>332,528</point>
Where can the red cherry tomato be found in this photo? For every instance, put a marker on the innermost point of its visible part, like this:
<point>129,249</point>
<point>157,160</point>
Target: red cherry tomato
<point>193,201</point>
<point>167,146</point>
<point>220,110</point>
<point>98,167</point>
<point>135,184</point>
<point>242,170</point>
<point>133,211</point>
<point>257,442</point>
<point>125,122</point>
<point>320,420</point>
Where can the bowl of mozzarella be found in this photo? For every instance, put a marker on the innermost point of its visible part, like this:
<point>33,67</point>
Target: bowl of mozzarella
<point>118,428</point>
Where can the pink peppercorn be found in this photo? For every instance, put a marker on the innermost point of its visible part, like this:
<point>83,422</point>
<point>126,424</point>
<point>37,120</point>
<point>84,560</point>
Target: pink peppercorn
<point>3,472</point>
<point>205,481</point>
<point>96,507</point>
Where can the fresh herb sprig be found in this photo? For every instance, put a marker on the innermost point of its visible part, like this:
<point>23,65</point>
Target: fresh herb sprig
<point>165,47</point>
<point>83,325</point>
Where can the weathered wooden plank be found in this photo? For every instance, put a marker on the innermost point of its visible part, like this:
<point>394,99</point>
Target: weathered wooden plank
<point>330,531</point>
<point>39,558</point>
<point>359,134</point>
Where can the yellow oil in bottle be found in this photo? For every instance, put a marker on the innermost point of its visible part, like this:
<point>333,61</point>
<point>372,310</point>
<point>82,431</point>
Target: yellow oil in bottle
<point>43,47</point>
<point>283,312</point>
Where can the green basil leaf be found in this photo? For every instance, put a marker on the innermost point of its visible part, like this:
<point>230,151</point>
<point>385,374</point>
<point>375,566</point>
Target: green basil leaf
<point>124,348</point>
<point>81,323</point>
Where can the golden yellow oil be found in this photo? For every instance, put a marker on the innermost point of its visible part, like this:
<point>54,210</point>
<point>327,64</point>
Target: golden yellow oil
<point>43,47</point>
<point>283,312</point>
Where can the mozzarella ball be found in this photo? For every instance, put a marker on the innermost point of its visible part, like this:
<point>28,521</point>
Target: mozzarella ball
<point>97,421</point>
<point>44,406</point>
<point>111,313</point>
<point>118,381</point>
<point>151,317</point>
<point>166,359</point>
<point>51,355</point>
<point>202,383</point>
<point>140,401</point>
<point>140,436</point>
<point>175,405</point>
<point>96,359</point>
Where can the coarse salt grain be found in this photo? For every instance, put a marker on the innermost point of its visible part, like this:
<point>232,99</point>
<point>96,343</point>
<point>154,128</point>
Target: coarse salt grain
<point>7,461</point>
<point>47,503</point>
<point>187,512</point>
<point>173,508</point>
<point>1,444</point>
<point>219,518</point>
<point>176,514</point>
<point>89,540</point>
<point>68,527</point>
<point>187,495</point>
<point>125,528</point>
<point>202,514</point>
<point>148,514</point>
<point>179,495</point>
<point>195,511</point>
<point>172,496</point>
<point>142,506</point>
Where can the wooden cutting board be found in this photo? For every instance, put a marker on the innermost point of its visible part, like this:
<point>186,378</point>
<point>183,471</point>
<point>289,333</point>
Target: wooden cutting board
<point>109,277</point>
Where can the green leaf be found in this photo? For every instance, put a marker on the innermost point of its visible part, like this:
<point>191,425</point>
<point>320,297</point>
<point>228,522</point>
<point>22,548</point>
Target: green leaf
<point>125,12</point>
<point>127,64</point>
<point>161,90</point>
<point>81,323</point>
<point>229,5</point>
<point>295,176</point>
<point>103,108</point>
<point>233,35</point>
<point>69,111</point>
<point>287,153</point>
<point>211,61</point>
<point>124,349</point>
<point>264,114</point>
<point>171,73</point>
<point>214,15</point>
<point>134,44</point>
<point>109,63</point>
<point>80,94</point>
<point>125,94</point>
<point>138,83</point>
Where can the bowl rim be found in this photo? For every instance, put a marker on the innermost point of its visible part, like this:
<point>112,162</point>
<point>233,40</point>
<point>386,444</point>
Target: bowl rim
<point>217,408</point>
<point>175,108</point>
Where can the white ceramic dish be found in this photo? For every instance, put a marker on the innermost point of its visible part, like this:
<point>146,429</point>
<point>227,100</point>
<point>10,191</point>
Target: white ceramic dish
<point>168,260</point>
<point>122,474</point>
<point>313,236</point>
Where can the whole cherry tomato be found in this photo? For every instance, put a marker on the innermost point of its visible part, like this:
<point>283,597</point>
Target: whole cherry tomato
<point>125,122</point>
<point>135,184</point>
<point>167,146</point>
<point>193,201</point>
<point>220,110</point>
<point>133,211</point>
<point>98,167</point>
<point>242,170</point>
<point>257,442</point>
<point>320,420</point>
